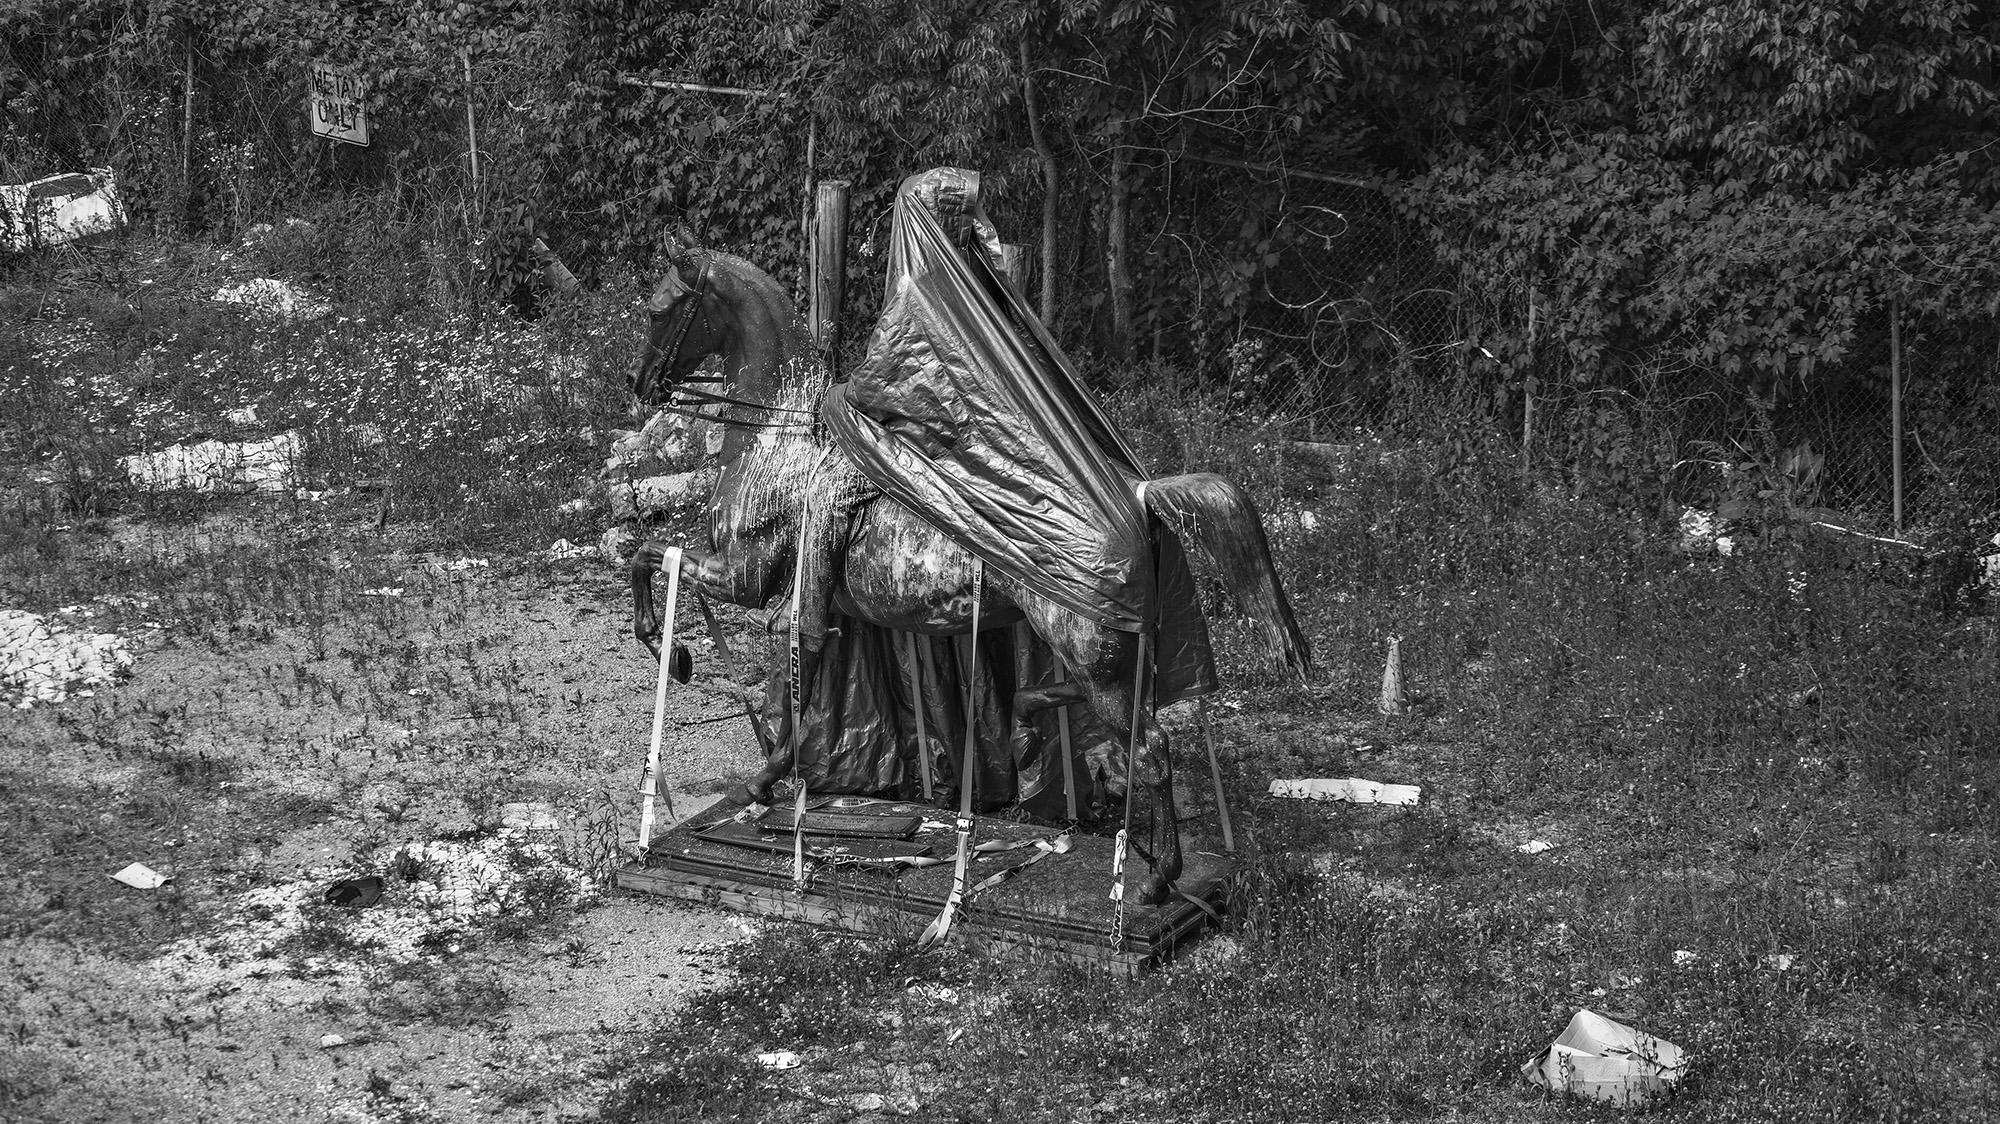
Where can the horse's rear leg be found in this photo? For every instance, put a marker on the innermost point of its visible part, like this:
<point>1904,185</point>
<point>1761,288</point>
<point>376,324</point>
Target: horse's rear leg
<point>1154,768</point>
<point>1102,678</point>
<point>773,729</point>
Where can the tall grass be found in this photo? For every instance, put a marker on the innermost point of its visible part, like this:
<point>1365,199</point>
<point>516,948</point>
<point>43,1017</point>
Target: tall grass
<point>1772,780</point>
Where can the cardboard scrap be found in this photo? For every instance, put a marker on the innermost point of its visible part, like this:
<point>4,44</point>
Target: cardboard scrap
<point>1607,1061</point>
<point>1351,789</point>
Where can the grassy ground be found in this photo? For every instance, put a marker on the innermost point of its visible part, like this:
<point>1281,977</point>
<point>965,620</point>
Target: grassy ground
<point>1771,781</point>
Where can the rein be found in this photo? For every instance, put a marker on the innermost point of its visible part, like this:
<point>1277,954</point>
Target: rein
<point>687,400</point>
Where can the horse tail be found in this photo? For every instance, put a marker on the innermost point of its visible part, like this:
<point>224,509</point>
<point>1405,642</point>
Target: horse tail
<point>1217,519</point>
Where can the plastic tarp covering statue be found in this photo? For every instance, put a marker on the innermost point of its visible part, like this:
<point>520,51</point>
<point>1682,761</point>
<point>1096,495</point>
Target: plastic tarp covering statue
<point>966,411</point>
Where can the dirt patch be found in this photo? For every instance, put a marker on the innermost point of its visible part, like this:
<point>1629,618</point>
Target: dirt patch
<point>258,754</point>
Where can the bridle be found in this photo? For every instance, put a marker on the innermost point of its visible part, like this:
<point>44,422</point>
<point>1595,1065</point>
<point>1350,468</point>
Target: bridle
<point>687,400</point>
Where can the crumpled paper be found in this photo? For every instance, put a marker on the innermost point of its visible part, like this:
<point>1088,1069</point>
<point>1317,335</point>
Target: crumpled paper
<point>1607,1061</point>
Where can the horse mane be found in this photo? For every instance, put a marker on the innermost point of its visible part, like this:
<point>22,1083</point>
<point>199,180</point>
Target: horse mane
<point>795,340</point>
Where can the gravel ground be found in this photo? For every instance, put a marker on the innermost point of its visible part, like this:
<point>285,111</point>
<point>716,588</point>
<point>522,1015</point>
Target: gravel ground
<point>234,993</point>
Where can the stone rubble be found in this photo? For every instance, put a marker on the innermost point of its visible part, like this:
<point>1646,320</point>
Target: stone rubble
<point>43,660</point>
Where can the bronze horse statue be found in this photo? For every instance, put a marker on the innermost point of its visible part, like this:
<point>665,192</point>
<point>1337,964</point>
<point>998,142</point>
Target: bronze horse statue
<point>874,560</point>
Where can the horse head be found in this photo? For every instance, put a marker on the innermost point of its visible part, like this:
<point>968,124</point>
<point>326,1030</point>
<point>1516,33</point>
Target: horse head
<point>684,324</point>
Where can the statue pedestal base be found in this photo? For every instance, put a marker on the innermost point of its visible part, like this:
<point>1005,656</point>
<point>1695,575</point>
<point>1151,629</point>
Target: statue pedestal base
<point>1058,907</point>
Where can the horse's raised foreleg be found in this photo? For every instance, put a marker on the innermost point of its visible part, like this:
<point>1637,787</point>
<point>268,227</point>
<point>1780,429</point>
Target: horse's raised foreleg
<point>742,577</point>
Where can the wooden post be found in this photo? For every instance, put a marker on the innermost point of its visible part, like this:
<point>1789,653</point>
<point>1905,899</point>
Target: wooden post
<point>1896,413</point>
<point>471,134</point>
<point>187,133</point>
<point>828,266</point>
<point>1528,387</point>
<point>1014,265</point>
<point>806,201</point>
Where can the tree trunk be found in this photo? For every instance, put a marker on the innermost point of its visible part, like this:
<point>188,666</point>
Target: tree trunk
<point>1049,187</point>
<point>1116,250</point>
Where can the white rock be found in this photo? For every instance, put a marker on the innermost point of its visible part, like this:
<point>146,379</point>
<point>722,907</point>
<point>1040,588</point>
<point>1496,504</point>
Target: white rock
<point>632,499</point>
<point>274,299</point>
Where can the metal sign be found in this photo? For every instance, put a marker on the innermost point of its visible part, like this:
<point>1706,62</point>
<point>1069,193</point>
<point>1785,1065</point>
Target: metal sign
<point>337,111</point>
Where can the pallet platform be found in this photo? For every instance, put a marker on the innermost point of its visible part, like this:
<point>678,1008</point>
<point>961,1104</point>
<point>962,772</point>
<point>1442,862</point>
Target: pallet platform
<point>1057,907</point>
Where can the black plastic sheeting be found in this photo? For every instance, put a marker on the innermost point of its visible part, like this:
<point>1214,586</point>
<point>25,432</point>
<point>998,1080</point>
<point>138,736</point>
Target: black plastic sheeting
<point>966,411</point>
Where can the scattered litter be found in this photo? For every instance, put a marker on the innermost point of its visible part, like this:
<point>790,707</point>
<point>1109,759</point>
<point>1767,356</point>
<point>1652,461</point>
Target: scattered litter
<point>1607,1061</point>
<point>1351,789</point>
<point>1686,958</point>
<point>139,876</point>
<point>242,415</point>
<point>383,591</point>
<point>57,209</point>
<point>268,296</point>
<point>1535,847</point>
<point>563,550</point>
<point>458,565</point>
<point>954,1036</point>
<point>1777,961</point>
<point>329,1041</point>
<point>529,816</point>
<point>260,231</point>
<point>780,1059</point>
<point>354,893</point>
<point>617,543</point>
<point>574,507</point>
<point>219,466</point>
<point>937,993</point>
<point>45,661</point>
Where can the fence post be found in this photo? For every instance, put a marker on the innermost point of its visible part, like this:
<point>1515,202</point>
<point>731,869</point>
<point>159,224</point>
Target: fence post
<point>471,135</point>
<point>1896,413</point>
<point>187,140</point>
<point>1528,386</point>
<point>828,266</point>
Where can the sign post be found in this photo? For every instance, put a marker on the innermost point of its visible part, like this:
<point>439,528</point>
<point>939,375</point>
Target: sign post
<point>338,110</point>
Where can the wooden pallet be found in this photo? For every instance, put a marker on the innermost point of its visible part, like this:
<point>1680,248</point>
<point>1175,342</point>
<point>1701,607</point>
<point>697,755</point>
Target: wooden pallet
<point>1058,907</point>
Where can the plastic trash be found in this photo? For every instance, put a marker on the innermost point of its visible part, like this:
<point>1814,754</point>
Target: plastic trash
<point>354,893</point>
<point>780,1059</point>
<point>1607,1061</point>
<point>529,816</point>
<point>139,876</point>
<point>1535,847</point>
<point>1351,789</point>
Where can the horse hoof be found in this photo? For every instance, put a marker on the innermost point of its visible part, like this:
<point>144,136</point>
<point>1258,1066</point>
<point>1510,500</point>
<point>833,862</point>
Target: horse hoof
<point>742,796</point>
<point>1157,891</point>
<point>680,664</point>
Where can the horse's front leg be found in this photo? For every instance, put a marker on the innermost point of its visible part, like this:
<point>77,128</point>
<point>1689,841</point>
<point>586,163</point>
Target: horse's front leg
<point>742,576</point>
